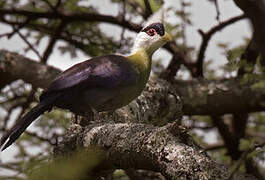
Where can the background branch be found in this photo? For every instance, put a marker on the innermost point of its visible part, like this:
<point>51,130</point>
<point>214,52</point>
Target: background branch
<point>255,11</point>
<point>248,58</point>
<point>52,41</point>
<point>220,97</point>
<point>148,10</point>
<point>206,38</point>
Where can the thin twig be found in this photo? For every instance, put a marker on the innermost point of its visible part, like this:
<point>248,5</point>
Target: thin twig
<point>4,34</point>
<point>17,30</point>
<point>19,27</point>
<point>53,7</point>
<point>28,43</point>
<point>52,42</point>
<point>243,158</point>
<point>214,147</point>
<point>216,4</point>
<point>49,4</point>
<point>39,137</point>
<point>238,164</point>
<point>206,38</point>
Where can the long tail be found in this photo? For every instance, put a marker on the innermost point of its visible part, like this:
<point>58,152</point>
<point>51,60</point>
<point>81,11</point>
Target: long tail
<point>21,125</point>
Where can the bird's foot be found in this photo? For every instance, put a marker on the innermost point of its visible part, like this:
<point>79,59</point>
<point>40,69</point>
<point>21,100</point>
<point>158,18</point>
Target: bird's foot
<point>76,119</point>
<point>87,118</point>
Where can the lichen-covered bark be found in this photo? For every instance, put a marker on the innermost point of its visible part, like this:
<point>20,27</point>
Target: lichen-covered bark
<point>158,104</point>
<point>168,149</point>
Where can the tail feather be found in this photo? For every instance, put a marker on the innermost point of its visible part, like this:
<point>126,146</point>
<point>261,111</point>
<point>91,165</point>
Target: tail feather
<point>13,134</point>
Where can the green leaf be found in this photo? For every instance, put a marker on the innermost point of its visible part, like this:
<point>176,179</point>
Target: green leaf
<point>246,144</point>
<point>71,167</point>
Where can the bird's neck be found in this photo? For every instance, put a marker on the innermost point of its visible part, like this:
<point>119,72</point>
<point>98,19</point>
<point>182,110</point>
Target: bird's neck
<point>146,49</point>
<point>141,60</point>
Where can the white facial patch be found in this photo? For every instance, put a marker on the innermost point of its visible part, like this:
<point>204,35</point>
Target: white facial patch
<point>147,43</point>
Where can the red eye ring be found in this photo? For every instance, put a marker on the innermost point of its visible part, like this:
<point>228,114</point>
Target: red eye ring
<point>151,32</point>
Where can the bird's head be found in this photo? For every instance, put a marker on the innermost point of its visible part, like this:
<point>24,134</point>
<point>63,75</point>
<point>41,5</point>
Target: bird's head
<point>150,38</point>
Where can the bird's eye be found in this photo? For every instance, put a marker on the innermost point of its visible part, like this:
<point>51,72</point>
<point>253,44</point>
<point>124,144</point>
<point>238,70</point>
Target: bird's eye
<point>151,32</point>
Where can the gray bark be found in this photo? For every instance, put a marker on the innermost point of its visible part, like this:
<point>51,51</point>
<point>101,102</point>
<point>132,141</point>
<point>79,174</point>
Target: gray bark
<point>218,97</point>
<point>168,149</point>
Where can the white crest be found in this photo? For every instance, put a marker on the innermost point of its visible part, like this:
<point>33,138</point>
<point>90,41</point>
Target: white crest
<point>157,17</point>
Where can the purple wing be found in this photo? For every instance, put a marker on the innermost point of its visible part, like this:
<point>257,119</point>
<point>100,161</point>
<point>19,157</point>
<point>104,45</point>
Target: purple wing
<point>105,71</point>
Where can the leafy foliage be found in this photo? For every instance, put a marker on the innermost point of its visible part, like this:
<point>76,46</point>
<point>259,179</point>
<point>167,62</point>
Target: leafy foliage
<point>74,166</point>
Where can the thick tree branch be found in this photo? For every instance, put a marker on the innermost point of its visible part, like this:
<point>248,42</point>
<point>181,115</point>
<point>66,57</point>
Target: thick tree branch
<point>14,66</point>
<point>198,97</point>
<point>221,96</point>
<point>167,149</point>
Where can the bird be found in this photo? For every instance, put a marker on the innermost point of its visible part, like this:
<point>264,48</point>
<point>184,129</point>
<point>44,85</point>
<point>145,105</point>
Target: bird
<point>103,83</point>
